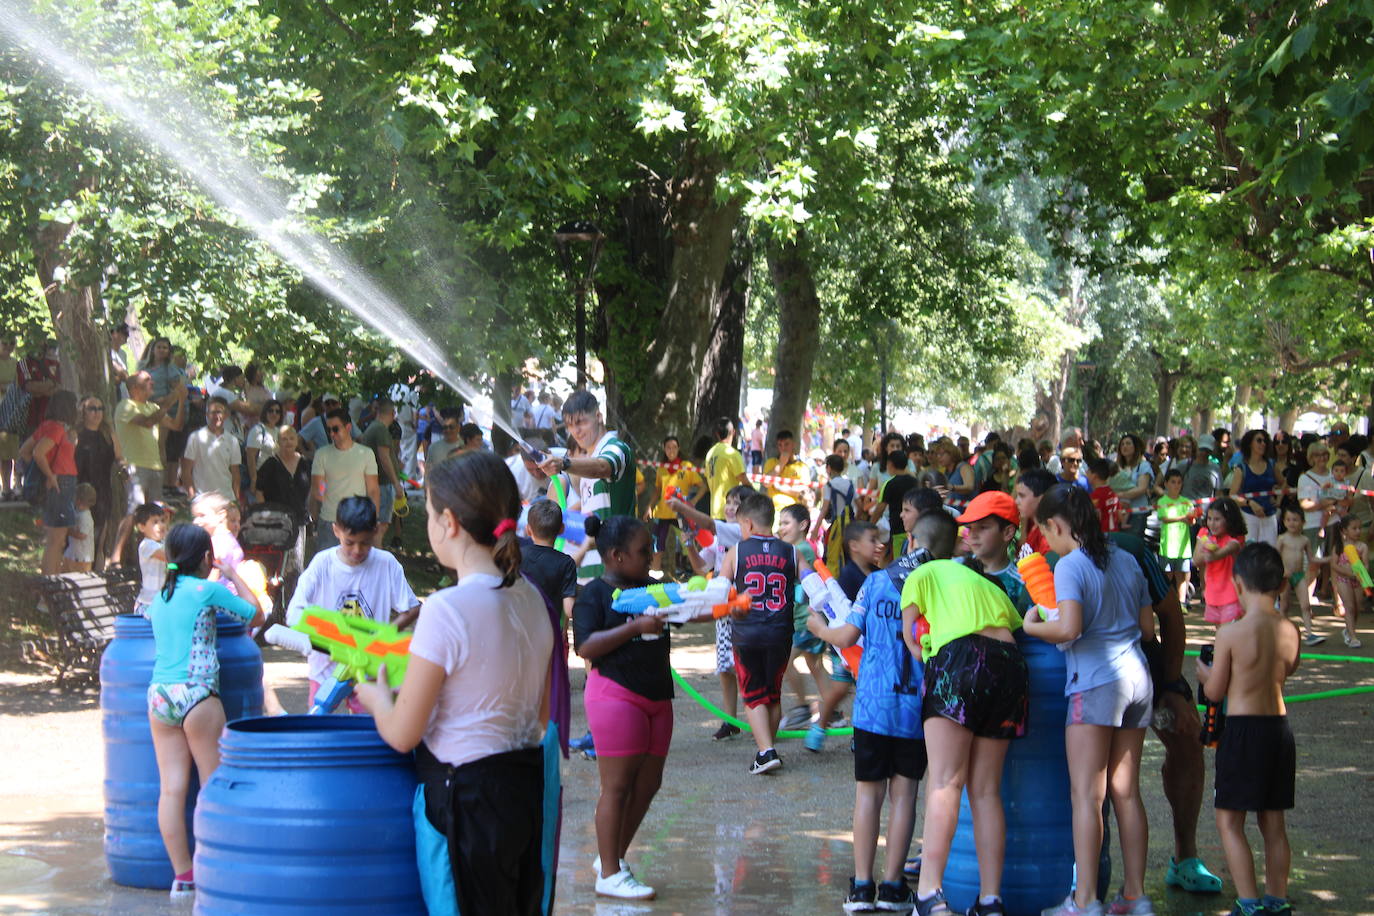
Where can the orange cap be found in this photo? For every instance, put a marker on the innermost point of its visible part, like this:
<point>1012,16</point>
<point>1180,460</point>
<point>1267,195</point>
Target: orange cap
<point>993,502</point>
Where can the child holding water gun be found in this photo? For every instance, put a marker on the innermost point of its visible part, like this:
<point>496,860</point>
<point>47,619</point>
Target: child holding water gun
<point>628,699</point>
<point>1218,542</point>
<point>476,698</point>
<point>1350,573</point>
<point>1104,611</point>
<point>151,521</point>
<point>184,711</point>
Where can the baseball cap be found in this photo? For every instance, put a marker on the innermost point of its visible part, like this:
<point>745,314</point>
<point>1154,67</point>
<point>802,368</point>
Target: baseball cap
<point>992,502</point>
<point>1206,441</point>
<point>332,397</point>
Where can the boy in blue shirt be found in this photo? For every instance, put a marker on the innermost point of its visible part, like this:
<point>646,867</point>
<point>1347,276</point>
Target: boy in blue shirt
<point>889,741</point>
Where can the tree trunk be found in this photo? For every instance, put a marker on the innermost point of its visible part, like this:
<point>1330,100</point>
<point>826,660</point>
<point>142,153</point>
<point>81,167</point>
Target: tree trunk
<point>76,313</point>
<point>799,314</point>
<point>1240,411</point>
<point>1049,400</point>
<point>1205,418</point>
<point>722,371</point>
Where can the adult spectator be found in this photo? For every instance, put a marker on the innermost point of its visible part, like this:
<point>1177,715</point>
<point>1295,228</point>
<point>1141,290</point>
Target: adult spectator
<point>339,470</point>
<point>1132,481</point>
<point>529,480</point>
<point>1071,468</point>
<point>262,439</point>
<point>1253,484</point>
<point>520,410</point>
<point>1317,493</point>
<point>605,469</point>
<point>120,364</point>
<point>378,437</point>
<point>55,455</point>
<point>138,423</point>
<point>9,442</point>
<point>1222,437</point>
<point>1362,449</point>
<point>314,436</point>
<point>284,478</point>
<point>166,376</point>
<point>96,454</point>
<point>255,390</point>
<point>1287,467</point>
<point>1072,439</point>
<point>451,424</point>
<point>409,440</point>
<point>788,466</point>
<point>40,375</point>
<point>230,389</point>
<point>889,507</point>
<point>545,419</point>
<point>724,467</point>
<point>1202,478</point>
<point>211,463</point>
<point>1339,433</point>
<point>1182,454</point>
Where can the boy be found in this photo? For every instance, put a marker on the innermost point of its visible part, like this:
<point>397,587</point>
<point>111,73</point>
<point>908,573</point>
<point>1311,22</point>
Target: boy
<point>990,524</point>
<point>1256,758</point>
<point>1175,549</point>
<point>80,551</point>
<point>793,524</point>
<point>865,551</point>
<point>1109,508</point>
<point>889,741</point>
<point>354,577</point>
<point>1340,471</point>
<point>765,568</point>
<point>549,568</point>
<point>150,519</point>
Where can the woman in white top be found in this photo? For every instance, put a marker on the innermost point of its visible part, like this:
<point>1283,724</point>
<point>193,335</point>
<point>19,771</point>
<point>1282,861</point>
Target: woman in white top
<point>475,700</point>
<point>262,439</point>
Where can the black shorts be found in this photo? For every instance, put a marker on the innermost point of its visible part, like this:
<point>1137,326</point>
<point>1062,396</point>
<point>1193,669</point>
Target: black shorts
<point>760,670</point>
<point>878,757</point>
<point>1257,763</point>
<point>980,683</point>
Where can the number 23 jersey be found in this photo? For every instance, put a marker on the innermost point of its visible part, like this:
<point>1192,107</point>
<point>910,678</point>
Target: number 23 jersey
<point>765,568</point>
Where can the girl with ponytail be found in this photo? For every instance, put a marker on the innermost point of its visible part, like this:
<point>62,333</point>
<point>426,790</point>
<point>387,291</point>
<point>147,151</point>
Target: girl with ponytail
<point>1104,611</point>
<point>476,697</point>
<point>184,710</point>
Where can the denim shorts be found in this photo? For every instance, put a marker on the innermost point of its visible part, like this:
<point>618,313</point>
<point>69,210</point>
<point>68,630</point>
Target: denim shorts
<point>59,506</point>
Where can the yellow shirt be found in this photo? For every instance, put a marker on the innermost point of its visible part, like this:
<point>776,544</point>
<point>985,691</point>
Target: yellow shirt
<point>794,470</point>
<point>685,478</point>
<point>139,443</point>
<point>724,464</point>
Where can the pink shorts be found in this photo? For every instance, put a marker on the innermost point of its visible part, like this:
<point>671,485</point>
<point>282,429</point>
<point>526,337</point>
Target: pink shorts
<point>1223,613</point>
<point>354,706</point>
<point>623,723</point>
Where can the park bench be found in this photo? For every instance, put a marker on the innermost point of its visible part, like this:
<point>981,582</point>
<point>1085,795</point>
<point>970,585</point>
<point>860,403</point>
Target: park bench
<point>78,611</point>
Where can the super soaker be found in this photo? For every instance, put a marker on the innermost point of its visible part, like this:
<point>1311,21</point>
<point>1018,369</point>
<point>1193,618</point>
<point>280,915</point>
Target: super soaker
<point>830,601</point>
<point>680,602</point>
<point>1039,581</point>
<point>358,646</point>
<point>1352,556</point>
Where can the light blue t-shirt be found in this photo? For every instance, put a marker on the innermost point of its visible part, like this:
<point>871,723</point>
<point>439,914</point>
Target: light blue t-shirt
<point>315,433</point>
<point>887,700</point>
<point>1108,649</point>
<point>184,630</point>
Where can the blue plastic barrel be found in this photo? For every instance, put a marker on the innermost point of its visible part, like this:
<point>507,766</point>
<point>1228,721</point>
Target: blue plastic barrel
<point>307,815</point>
<point>133,846</point>
<point>1035,797</point>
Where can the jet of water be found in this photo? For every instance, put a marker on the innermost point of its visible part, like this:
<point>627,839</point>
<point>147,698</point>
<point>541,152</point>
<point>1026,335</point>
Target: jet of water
<point>205,153</point>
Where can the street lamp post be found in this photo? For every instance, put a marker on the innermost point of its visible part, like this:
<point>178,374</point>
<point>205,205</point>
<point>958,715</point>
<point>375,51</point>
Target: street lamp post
<point>568,236</point>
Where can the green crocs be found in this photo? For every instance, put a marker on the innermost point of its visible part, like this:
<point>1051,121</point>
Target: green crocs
<point>1193,876</point>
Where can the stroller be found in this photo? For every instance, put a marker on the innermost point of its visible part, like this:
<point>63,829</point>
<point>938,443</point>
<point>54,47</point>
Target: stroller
<point>270,536</point>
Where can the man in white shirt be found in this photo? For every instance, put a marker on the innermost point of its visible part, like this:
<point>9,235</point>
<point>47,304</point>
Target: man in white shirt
<point>242,414</point>
<point>212,457</point>
<point>544,416</point>
<point>340,470</point>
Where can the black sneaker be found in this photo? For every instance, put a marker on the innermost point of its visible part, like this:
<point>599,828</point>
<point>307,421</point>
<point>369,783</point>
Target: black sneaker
<point>861,897</point>
<point>726,730</point>
<point>765,761</point>
<point>935,906</point>
<point>987,909</point>
<point>896,897</point>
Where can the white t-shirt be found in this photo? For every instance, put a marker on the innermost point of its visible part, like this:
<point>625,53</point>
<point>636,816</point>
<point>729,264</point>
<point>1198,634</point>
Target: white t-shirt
<point>1312,485</point>
<point>727,536</point>
<point>263,438</point>
<point>233,424</point>
<point>154,571</point>
<point>214,459</point>
<point>345,474</point>
<point>495,645</point>
<point>544,416</point>
<point>82,550</point>
<point>375,588</point>
<point>524,480</point>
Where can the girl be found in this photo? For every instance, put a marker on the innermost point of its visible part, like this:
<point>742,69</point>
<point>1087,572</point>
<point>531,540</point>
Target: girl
<point>1349,530</point>
<point>1217,545</point>
<point>1297,561</point>
<point>1104,613</point>
<point>219,518</point>
<point>1253,484</point>
<point>475,700</point>
<point>184,711</point>
<point>1132,481</point>
<point>151,521</point>
<point>628,699</point>
<point>55,456</point>
<point>1030,486</point>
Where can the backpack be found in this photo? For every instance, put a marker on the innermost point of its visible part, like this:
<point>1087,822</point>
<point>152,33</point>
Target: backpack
<point>841,514</point>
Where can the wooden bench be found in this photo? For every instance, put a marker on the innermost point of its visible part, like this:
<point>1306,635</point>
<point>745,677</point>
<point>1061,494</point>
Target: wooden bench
<point>80,609</point>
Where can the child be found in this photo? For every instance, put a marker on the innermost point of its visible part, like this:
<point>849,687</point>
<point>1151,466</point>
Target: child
<point>976,698</point>
<point>1218,542</point>
<point>990,529</point>
<point>765,568</point>
<point>793,524</point>
<point>151,522</point>
<point>80,552</point>
<point>1109,509</point>
<point>1340,470</point>
<point>1174,548</point>
<point>1104,612</point>
<point>547,567</point>
<point>477,694</point>
<point>889,740</point>
<point>213,513</point>
<point>1296,552</point>
<point>865,549</point>
<point>1256,757</point>
<point>184,711</point>
<point>1030,486</point>
<point>353,577</point>
<point>629,701</point>
<point>1349,530</point>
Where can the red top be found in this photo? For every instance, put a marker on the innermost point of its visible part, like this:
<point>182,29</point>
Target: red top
<point>1035,540</point>
<point>1108,508</point>
<point>39,370</point>
<point>62,456</point>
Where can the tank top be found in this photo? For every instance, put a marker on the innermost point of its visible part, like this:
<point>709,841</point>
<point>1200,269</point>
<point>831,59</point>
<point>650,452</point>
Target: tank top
<point>1259,483</point>
<point>765,568</point>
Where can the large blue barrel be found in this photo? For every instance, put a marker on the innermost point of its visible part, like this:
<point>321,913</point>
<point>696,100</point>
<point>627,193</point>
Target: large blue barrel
<point>307,815</point>
<point>1035,797</point>
<point>133,846</point>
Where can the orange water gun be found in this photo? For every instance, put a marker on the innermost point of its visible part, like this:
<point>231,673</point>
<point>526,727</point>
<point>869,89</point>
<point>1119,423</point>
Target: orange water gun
<point>1039,580</point>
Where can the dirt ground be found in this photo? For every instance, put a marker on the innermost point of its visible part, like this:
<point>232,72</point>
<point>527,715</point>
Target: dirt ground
<point>717,841</point>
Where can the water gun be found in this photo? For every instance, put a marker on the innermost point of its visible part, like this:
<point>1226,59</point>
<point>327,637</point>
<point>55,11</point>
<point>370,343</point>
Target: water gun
<point>1205,539</point>
<point>408,482</point>
<point>703,537</point>
<point>1039,581</point>
<point>680,602</point>
<point>920,632</point>
<point>400,506</point>
<point>1352,556</point>
<point>1213,718</point>
<point>830,601</point>
<point>358,646</point>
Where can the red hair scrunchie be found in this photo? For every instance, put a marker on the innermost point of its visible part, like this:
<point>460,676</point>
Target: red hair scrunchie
<point>506,524</point>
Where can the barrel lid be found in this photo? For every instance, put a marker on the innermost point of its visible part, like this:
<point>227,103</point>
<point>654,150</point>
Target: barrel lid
<point>136,625</point>
<point>282,742</point>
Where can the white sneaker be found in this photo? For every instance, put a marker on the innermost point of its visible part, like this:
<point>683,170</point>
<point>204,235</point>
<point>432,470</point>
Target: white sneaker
<point>182,889</point>
<point>596,865</point>
<point>796,717</point>
<point>1352,641</point>
<point>623,885</point>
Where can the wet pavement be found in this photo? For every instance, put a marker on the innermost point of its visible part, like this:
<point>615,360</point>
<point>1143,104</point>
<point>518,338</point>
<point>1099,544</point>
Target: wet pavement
<point>716,841</point>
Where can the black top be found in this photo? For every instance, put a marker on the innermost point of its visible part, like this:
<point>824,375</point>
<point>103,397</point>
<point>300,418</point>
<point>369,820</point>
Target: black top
<point>640,665</point>
<point>278,485</point>
<point>765,568</point>
<point>94,459</point>
<point>851,579</point>
<point>552,570</point>
<point>893,493</point>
